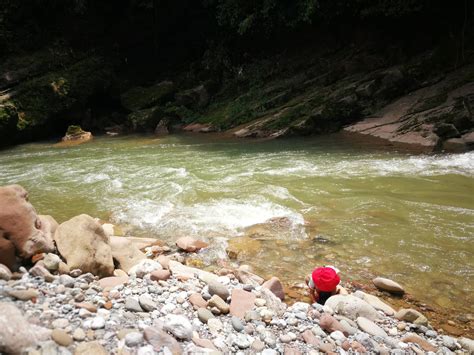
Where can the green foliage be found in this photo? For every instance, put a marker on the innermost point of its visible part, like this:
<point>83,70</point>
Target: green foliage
<point>244,16</point>
<point>45,96</point>
<point>143,97</point>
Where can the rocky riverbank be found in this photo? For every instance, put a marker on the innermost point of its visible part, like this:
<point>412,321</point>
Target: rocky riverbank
<point>77,288</point>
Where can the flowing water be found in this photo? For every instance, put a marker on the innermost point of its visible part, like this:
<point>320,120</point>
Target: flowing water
<point>368,211</point>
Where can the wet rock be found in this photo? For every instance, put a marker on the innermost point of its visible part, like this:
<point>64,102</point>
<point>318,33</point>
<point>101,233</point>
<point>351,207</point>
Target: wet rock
<point>190,244</point>
<point>216,288</point>
<point>370,327</point>
<point>413,338</point>
<point>276,287</point>
<point>160,275</point>
<point>61,337</point>
<point>351,307</point>
<point>179,326</point>
<point>84,244</point>
<point>144,267</point>
<point>411,315</point>
<point>204,315</point>
<point>218,302</point>
<point>388,285</point>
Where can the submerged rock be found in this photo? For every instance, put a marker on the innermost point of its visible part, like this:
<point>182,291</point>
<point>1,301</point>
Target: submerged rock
<point>388,285</point>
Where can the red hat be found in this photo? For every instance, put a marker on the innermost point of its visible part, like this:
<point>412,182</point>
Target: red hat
<point>325,278</point>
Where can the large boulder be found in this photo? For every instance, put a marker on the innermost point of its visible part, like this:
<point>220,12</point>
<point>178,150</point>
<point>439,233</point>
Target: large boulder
<point>84,245</point>
<point>195,98</point>
<point>76,134</point>
<point>352,307</point>
<point>20,226</point>
<point>16,333</point>
<point>125,252</point>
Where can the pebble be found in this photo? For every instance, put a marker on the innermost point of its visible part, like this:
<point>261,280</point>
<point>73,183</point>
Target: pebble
<point>237,324</point>
<point>61,337</point>
<point>204,315</point>
<point>118,318</point>
<point>133,339</point>
<point>132,304</point>
<point>79,334</point>
<point>98,323</point>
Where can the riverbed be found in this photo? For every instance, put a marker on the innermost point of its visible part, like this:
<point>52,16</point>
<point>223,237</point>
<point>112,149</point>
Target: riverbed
<point>364,208</point>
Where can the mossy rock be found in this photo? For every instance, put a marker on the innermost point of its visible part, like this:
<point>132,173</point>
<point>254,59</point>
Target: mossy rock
<point>46,96</point>
<point>74,131</point>
<point>145,120</point>
<point>140,98</point>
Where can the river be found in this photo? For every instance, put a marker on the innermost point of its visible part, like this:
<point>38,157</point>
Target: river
<point>370,211</point>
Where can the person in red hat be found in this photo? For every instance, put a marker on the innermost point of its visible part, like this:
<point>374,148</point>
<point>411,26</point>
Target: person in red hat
<point>323,283</point>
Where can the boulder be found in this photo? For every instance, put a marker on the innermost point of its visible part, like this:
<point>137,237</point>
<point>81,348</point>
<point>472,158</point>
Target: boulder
<point>76,134</point>
<point>190,244</point>
<point>272,302</point>
<point>388,285</point>
<point>16,333</point>
<point>20,224</point>
<point>375,302</point>
<point>84,245</point>
<point>351,307</point>
<point>276,287</point>
<point>125,252</point>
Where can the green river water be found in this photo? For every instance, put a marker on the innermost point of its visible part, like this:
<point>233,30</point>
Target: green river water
<point>368,211</point>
